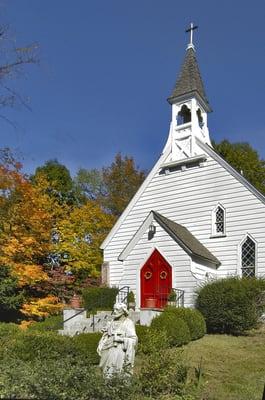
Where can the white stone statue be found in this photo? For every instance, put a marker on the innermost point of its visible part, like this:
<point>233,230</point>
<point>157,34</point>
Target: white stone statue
<point>117,346</point>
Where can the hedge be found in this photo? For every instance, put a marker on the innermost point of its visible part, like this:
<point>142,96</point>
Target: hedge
<point>99,298</point>
<point>231,305</point>
<point>86,344</point>
<point>193,318</point>
<point>31,345</point>
<point>176,329</point>
<point>151,340</point>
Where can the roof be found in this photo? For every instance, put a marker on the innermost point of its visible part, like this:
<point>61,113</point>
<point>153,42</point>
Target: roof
<point>179,233</point>
<point>185,239</point>
<point>212,153</point>
<point>189,80</point>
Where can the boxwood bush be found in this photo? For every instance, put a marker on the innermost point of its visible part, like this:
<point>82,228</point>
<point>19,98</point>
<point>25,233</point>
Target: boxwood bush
<point>42,345</point>
<point>31,345</point>
<point>99,298</point>
<point>52,323</point>
<point>193,318</point>
<point>151,340</point>
<point>231,305</point>
<point>176,329</point>
<point>86,344</point>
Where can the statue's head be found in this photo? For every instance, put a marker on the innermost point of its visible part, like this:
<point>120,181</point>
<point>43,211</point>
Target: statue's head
<point>120,309</point>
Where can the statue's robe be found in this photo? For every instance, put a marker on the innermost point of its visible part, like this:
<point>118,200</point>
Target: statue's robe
<point>117,357</point>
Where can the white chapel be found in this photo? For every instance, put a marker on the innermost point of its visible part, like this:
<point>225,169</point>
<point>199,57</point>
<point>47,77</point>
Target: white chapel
<point>193,219</point>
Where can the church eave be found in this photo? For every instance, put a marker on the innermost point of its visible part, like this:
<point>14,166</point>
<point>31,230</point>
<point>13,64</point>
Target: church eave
<point>188,96</point>
<point>211,152</point>
<point>204,254</point>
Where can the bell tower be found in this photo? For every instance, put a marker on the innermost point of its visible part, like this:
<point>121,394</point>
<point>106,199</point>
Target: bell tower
<point>190,108</point>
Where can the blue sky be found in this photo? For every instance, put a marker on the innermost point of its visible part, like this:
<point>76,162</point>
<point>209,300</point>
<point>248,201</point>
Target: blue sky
<point>108,66</point>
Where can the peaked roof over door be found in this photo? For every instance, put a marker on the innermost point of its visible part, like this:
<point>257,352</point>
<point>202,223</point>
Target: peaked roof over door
<point>189,80</point>
<point>179,233</point>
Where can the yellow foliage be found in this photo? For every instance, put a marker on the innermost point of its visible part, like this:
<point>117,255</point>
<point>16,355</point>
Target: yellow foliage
<point>25,324</point>
<point>49,305</point>
<point>81,234</point>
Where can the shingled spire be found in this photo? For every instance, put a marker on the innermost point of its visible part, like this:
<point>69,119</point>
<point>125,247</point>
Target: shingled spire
<point>189,81</point>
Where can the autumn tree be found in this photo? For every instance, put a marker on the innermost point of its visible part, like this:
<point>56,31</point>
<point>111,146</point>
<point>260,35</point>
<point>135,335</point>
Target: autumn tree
<point>26,222</point>
<point>245,160</point>
<point>112,187</point>
<point>79,237</point>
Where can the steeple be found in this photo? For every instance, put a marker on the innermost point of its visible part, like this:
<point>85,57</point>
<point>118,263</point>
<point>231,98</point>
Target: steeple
<point>190,109</point>
<point>189,82</point>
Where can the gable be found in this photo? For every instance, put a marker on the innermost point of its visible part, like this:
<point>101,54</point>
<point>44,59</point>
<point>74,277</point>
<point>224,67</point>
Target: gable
<point>159,192</point>
<point>177,232</point>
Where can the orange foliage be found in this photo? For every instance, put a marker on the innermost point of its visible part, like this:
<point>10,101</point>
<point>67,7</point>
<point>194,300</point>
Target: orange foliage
<point>42,308</point>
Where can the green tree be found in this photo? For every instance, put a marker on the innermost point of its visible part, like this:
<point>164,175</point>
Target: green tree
<point>59,179</point>
<point>245,160</point>
<point>111,187</point>
<point>11,296</point>
<point>89,184</point>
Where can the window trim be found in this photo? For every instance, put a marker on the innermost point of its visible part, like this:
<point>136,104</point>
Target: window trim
<point>247,235</point>
<point>216,234</point>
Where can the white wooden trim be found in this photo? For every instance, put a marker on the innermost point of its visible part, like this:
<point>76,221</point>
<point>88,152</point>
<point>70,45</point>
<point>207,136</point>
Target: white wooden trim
<point>230,169</point>
<point>135,198</point>
<point>129,246</point>
<point>214,233</point>
<point>239,253</point>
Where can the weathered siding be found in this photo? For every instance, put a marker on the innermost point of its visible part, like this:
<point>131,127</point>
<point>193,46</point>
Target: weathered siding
<point>188,198</point>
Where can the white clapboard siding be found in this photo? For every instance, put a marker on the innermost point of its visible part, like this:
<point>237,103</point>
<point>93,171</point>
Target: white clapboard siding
<point>188,198</point>
<point>174,254</point>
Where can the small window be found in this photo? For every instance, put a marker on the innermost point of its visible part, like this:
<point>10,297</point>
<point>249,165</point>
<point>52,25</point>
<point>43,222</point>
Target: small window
<point>248,258</point>
<point>199,116</point>
<point>184,115</point>
<point>218,221</point>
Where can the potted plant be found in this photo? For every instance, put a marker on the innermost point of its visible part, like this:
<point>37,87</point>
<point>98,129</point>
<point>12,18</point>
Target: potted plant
<point>75,301</point>
<point>172,297</point>
<point>131,300</point>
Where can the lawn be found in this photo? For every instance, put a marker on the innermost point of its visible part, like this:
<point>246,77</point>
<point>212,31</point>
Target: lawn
<point>233,367</point>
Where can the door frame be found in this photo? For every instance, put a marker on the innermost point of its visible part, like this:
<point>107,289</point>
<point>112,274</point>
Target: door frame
<point>142,263</point>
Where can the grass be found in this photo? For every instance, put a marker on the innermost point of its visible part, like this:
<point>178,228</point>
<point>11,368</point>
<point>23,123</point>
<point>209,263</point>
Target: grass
<point>233,368</point>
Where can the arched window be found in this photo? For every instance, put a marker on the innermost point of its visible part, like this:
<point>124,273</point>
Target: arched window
<point>218,221</point>
<point>184,115</point>
<point>248,257</point>
<point>199,116</point>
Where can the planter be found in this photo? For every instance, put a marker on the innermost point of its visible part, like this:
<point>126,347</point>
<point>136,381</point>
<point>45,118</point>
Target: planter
<point>150,303</point>
<point>75,301</point>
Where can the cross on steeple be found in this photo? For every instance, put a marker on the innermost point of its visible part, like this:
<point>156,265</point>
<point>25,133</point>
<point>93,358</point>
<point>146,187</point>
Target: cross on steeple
<point>191,29</point>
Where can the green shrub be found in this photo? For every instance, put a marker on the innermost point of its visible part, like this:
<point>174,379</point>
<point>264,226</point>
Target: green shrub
<point>163,373</point>
<point>99,298</point>
<point>176,329</point>
<point>230,305</point>
<point>151,340</point>
<point>42,345</point>
<point>52,323</point>
<point>193,318</point>
<point>87,344</point>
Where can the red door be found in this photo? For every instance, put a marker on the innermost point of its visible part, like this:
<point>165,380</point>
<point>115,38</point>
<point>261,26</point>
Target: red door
<point>156,281</point>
